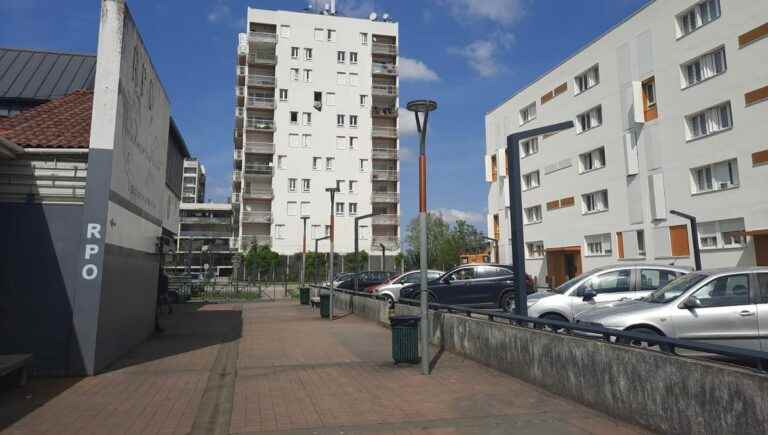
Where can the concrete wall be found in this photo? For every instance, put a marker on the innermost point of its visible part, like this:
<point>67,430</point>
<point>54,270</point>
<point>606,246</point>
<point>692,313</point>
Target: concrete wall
<point>665,393</point>
<point>367,308</point>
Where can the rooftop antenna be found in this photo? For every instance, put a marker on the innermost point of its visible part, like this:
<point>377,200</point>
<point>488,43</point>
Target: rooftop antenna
<point>373,16</point>
<point>385,17</point>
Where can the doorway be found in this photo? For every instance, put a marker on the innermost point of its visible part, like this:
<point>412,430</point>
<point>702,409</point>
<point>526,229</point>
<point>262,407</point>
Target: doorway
<point>761,250</point>
<point>563,264</point>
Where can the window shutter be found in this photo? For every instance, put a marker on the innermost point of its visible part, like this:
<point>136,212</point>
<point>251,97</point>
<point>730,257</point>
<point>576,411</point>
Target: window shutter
<point>678,236</point>
<point>490,225</point>
<point>637,99</point>
<point>502,159</point>
<point>630,145</point>
<point>657,196</point>
<point>506,192</point>
<point>620,244</point>
<point>488,176</point>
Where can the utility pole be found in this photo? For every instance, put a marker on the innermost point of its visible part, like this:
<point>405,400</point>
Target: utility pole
<point>383,256</point>
<point>303,251</point>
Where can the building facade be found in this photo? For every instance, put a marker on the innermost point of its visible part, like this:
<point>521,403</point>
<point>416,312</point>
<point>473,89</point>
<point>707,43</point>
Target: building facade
<point>204,243</point>
<point>317,107</point>
<point>193,189</point>
<point>669,111</point>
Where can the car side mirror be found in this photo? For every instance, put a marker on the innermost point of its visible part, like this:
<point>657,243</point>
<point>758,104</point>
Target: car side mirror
<point>588,295</point>
<point>691,303</point>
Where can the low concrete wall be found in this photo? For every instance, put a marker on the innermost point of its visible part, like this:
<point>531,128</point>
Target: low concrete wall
<point>666,393</point>
<point>367,308</point>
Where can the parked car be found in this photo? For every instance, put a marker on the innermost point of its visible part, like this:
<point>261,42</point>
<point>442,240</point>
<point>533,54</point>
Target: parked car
<point>599,287</point>
<point>473,285</point>
<point>391,289</point>
<point>361,281</point>
<point>721,306</point>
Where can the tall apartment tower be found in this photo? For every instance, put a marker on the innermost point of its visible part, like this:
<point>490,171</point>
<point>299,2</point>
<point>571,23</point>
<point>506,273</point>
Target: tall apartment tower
<point>193,182</point>
<point>317,108</point>
<point>670,110</point>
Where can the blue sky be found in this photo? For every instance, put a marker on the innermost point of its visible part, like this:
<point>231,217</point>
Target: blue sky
<point>469,55</point>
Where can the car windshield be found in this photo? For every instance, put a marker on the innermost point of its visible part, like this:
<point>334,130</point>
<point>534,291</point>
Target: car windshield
<point>675,288</point>
<point>564,287</point>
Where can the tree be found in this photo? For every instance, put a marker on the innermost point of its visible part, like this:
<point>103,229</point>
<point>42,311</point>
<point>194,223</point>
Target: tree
<point>445,243</point>
<point>316,265</point>
<point>399,261</point>
<point>259,260</point>
<point>357,262</point>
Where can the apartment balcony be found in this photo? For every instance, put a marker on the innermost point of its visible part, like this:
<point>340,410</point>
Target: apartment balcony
<point>385,132</point>
<point>238,155</point>
<point>239,113</point>
<point>262,81</point>
<point>391,242</point>
<point>265,193</point>
<point>384,111</point>
<point>385,197</point>
<point>258,169</point>
<point>383,68</point>
<point>259,147</point>
<point>261,102</point>
<point>205,220</point>
<point>260,124</point>
<point>260,240</point>
<point>256,217</point>
<point>386,219</point>
<point>382,48</point>
<point>262,37</point>
<point>206,234</point>
<point>384,175</point>
<point>384,90</point>
<point>385,153</point>
<point>237,176</point>
<point>239,96</point>
<point>235,198</point>
<point>260,57</point>
<point>242,73</point>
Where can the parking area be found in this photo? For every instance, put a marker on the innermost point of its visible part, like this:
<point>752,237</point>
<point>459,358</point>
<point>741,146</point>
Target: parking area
<point>278,368</point>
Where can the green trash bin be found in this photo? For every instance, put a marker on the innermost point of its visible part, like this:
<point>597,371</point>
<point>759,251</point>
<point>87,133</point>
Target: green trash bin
<point>325,305</point>
<point>405,339</point>
<point>304,295</point>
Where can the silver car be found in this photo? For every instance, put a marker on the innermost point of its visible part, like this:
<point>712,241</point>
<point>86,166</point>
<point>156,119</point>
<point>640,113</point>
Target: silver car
<point>391,289</point>
<point>599,287</point>
<point>721,306</point>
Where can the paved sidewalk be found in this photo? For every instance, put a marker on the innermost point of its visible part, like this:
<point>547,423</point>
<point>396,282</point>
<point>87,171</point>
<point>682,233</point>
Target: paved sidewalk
<point>278,368</point>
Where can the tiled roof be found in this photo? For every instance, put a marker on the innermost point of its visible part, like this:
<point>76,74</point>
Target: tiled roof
<point>61,123</point>
<point>44,75</point>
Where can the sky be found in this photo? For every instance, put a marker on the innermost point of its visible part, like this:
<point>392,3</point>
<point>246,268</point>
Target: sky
<point>468,55</point>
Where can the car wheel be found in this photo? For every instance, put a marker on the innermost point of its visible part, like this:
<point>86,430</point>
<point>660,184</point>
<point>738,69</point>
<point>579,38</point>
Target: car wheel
<point>644,344</point>
<point>556,317</point>
<point>508,302</point>
<point>390,301</point>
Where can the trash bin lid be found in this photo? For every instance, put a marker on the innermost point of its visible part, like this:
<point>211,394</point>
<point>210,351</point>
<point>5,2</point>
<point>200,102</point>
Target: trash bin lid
<point>404,320</point>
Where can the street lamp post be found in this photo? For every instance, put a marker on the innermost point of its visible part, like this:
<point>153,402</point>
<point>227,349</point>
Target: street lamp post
<point>495,248</point>
<point>694,236</point>
<point>383,256</point>
<point>303,251</point>
<point>357,237</point>
<point>332,191</point>
<point>316,254</point>
<point>423,107</point>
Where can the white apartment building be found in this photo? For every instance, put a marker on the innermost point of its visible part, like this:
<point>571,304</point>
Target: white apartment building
<point>193,182</point>
<point>670,113</point>
<point>317,106</point>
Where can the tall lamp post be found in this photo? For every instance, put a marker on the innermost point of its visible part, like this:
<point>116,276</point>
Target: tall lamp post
<point>421,109</point>
<point>383,256</point>
<point>332,191</point>
<point>495,248</point>
<point>303,251</point>
<point>357,234</point>
<point>316,255</point>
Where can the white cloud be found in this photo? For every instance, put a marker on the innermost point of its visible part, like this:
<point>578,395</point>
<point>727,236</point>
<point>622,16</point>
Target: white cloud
<point>504,12</point>
<point>407,154</point>
<point>451,215</point>
<point>219,12</point>
<point>414,70</point>
<point>407,122</point>
<point>480,55</point>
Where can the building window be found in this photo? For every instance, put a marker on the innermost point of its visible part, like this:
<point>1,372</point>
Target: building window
<point>363,39</point>
<point>354,79</point>
<point>341,142</point>
<point>308,54</point>
<point>339,209</point>
<point>704,67</point>
<point>531,180</point>
<point>341,78</point>
<point>353,121</point>
<point>294,118</point>
<point>308,75</point>
<point>640,234</point>
<point>529,147</point>
<point>329,163</point>
<point>353,209</point>
<point>534,250</point>
<point>282,162</point>
<point>363,165</point>
<point>590,119</point>
<point>352,186</point>
<point>714,177</point>
<point>319,34</point>
<point>279,231</point>
<point>316,163</point>
<point>340,57</point>
<point>722,234</point>
<point>285,31</point>
<point>291,184</point>
<point>528,113</point>
<point>294,52</point>
<point>340,120</point>
<point>307,118</point>
<point>494,168</point>
<point>587,80</point>
<point>330,99</point>
<point>598,245</point>
<point>293,140</point>
<point>363,100</point>
<point>592,160</point>
<point>306,185</point>
<point>533,214</point>
<point>709,121</point>
<point>650,110</point>
<point>295,74</point>
<point>305,206</point>
<point>283,94</point>
<point>331,35</point>
<point>594,202</point>
<point>352,143</point>
<point>340,186</point>
<point>697,16</point>
<point>292,205</point>
<point>306,140</point>
<point>352,57</point>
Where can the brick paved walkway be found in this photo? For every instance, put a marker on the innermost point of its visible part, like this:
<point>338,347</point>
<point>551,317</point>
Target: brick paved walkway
<point>278,368</point>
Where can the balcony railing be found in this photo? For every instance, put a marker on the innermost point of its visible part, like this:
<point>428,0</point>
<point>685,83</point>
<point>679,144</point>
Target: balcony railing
<point>256,217</point>
<point>235,198</point>
<point>206,234</point>
<point>239,112</point>
<point>261,240</point>
<point>262,37</point>
<point>384,175</point>
<point>261,102</point>
<point>384,111</point>
<point>388,197</point>
<point>385,153</point>
<point>386,219</point>
<point>258,194</point>
<point>205,220</point>
<point>258,169</point>
<point>382,48</point>
<point>242,70</point>
<point>391,242</point>
<point>262,57</point>
<point>386,90</point>
<point>236,176</point>
<point>386,132</point>
<point>260,124</point>
<point>259,147</point>
<point>239,154</point>
<point>261,80</point>
<point>384,68</point>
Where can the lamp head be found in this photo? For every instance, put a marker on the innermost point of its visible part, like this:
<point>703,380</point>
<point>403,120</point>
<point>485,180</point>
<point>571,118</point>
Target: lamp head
<point>422,106</point>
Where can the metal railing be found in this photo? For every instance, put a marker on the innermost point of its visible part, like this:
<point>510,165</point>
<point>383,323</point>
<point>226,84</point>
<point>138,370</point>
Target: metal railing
<point>248,241</point>
<point>384,68</point>
<point>239,112</point>
<point>261,102</point>
<point>260,124</point>
<point>236,176</point>
<point>262,36</point>
<point>386,219</point>
<point>260,80</point>
<point>387,132</point>
<point>258,194</point>
<point>256,217</point>
<point>387,90</point>
<point>383,48</point>
<point>385,197</point>
<point>384,111</point>
<point>385,174</point>
<point>384,153</point>
<point>235,198</point>
<point>239,154</point>
<point>205,220</point>
<point>259,147</point>
<point>257,169</point>
<point>262,57</point>
<point>242,70</point>
<point>206,234</point>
